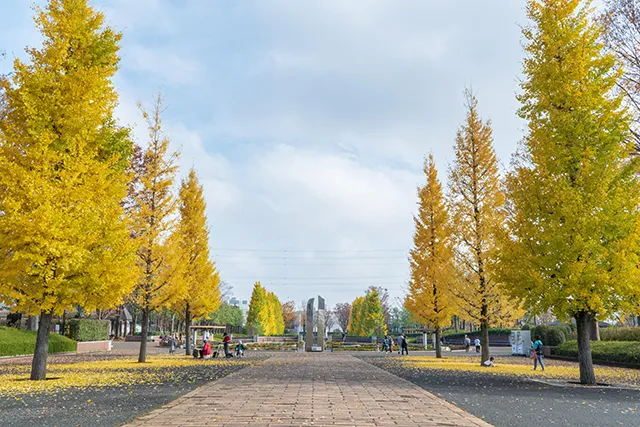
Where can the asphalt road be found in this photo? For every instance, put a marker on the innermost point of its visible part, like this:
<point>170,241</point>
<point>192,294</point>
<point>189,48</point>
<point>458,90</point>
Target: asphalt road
<point>506,401</point>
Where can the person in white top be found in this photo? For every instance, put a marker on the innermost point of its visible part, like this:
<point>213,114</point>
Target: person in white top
<point>476,342</point>
<point>489,363</point>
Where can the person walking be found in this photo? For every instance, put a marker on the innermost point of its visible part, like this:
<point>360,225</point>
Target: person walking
<point>476,342</point>
<point>467,343</point>
<point>172,345</point>
<point>536,353</point>
<point>225,342</point>
<point>399,339</point>
<point>405,346</point>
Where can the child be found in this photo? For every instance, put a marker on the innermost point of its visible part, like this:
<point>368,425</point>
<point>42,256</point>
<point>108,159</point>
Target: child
<point>489,363</point>
<point>239,349</point>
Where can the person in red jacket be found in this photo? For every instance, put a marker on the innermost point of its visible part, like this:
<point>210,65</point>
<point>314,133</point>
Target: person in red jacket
<point>206,350</point>
<point>225,342</point>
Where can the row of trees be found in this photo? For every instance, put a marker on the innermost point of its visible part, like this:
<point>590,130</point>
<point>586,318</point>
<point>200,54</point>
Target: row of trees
<point>561,232</point>
<point>87,218</point>
<point>265,316</point>
<point>366,316</point>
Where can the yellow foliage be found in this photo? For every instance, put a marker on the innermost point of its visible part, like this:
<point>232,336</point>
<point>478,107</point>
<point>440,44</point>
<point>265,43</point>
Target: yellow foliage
<point>63,237</point>
<point>522,367</point>
<point>430,299</point>
<point>103,373</point>
<point>265,312</point>
<point>198,272</point>
<point>153,213</point>
<point>354,326</point>
<point>478,218</point>
<point>573,240</point>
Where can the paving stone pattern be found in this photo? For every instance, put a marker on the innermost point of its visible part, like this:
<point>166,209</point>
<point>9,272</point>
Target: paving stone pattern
<point>309,389</point>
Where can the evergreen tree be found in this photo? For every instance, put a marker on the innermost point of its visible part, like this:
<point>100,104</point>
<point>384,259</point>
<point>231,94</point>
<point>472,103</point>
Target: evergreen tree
<point>63,238</point>
<point>198,271</point>
<point>227,315</point>
<point>153,212</point>
<point>432,273</point>
<point>477,203</point>
<point>573,214</point>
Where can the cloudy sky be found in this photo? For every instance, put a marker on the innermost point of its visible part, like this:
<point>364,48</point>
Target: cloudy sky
<point>308,121</point>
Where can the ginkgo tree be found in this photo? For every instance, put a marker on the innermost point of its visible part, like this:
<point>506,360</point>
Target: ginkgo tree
<point>197,272</point>
<point>476,203</point>
<point>573,239</point>
<point>367,315</point>
<point>430,299</point>
<point>64,240</point>
<point>265,312</point>
<point>153,212</point>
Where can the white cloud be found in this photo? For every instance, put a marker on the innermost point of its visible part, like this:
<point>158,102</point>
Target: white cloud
<point>167,66</point>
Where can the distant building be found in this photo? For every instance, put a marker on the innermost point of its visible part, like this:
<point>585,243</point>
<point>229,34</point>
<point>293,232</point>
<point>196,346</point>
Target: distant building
<point>242,304</point>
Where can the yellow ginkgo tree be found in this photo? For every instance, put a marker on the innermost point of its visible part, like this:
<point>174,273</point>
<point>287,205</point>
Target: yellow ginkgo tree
<point>153,211</point>
<point>573,239</point>
<point>64,241</point>
<point>430,298</point>
<point>199,274</point>
<point>476,203</point>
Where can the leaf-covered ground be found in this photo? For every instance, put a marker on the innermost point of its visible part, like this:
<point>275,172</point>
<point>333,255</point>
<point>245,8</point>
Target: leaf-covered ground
<point>103,392</point>
<point>508,394</point>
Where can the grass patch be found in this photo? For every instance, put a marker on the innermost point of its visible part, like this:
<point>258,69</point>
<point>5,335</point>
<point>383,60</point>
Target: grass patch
<point>15,342</point>
<point>521,367</point>
<point>110,373</point>
<point>605,351</point>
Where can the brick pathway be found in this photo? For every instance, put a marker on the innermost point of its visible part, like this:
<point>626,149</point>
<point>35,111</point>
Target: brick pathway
<point>312,389</point>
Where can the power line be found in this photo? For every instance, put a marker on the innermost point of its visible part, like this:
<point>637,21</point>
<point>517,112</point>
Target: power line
<point>310,250</point>
<point>298,257</point>
<point>318,278</point>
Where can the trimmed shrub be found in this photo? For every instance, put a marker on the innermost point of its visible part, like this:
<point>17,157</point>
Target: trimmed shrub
<point>623,333</point>
<point>552,335</point>
<point>494,331</point>
<point>88,329</point>
<point>15,342</point>
<point>605,351</point>
<point>526,327</point>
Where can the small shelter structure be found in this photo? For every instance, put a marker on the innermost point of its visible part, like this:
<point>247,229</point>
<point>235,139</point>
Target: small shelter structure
<point>206,331</point>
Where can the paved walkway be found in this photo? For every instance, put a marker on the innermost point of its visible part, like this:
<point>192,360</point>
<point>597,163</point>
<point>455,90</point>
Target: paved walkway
<point>309,389</point>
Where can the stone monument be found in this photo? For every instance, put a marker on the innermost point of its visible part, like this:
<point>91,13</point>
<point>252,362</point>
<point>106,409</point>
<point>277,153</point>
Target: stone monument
<point>315,342</point>
<point>321,324</point>
<point>308,327</point>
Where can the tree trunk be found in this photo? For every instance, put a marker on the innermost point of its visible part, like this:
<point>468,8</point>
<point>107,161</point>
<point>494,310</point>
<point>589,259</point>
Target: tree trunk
<point>583,323</point>
<point>438,344</point>
<point>64,322</point>
<point>134,322</point>
<point>187,323</point>
<point>173,323</point>
<point>142,357</point>
<point>39,362</point>
<point>484,341</point>
<point>594,333</point>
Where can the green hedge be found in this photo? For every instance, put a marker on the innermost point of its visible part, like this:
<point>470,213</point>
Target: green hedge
<point>494,331</point>
<point>552,335</point>
<point>15,342</point>
<point>605,351</point>
<point>88,329</point>
<point>625,333</point>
